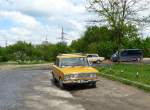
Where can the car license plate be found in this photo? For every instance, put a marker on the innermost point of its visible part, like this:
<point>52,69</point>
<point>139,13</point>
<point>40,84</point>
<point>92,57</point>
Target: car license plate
<point>83,81</point>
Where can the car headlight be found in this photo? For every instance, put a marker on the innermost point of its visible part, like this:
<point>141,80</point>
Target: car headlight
<point>67,77</point>
<point>93,75</point>
<point>114,55</point>
<point>75,75</point>
<point>82,75</point>
<point>71,76</point>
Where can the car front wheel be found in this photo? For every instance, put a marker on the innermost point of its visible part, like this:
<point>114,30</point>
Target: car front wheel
<point>93,85</point>
<point>61,85</point>
<point>98,61</point>
<point>54,79</point>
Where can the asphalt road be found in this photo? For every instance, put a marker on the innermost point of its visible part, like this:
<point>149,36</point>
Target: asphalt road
<point>32,89</point>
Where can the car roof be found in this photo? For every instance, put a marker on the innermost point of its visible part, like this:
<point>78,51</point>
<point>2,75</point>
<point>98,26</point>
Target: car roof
<point>131,49</point>
<point>92,54</point>
<point>71,56</point>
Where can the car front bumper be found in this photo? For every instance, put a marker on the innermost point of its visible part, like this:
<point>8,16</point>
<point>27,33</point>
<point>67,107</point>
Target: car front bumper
<point>79,81</point>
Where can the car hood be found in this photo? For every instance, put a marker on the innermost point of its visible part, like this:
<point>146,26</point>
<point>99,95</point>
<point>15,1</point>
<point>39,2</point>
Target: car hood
<point>78,69</point>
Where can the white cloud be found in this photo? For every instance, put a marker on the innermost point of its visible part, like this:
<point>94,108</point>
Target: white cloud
<point>26,27</point>
<point>33,19</point>
<point>46,7</point>
<point>19,18</point>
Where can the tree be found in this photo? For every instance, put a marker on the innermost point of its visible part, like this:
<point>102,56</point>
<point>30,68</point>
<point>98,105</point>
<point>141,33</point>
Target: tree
<point>95,40</point>
<point>100,40</point>
<point>3,56</point>
<point>146,47</point>
<point>119,14</point>
<point>20,51</point>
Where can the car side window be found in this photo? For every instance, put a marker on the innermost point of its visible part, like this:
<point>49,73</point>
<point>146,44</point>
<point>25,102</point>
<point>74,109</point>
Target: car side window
<point>57,62</point>
<point>89,56</point>
<point>95,55</point>
<point>124,53</point>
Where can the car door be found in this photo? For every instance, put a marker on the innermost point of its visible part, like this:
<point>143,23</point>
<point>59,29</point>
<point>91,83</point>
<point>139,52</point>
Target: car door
<point>95,57</point>
<point>89,57</point>
<point>133,55</point>
<point>57,70</point>
<point>124,56</point>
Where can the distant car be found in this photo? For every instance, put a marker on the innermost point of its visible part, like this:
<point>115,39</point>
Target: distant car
<point>73,69</point>
<point>127,55</point>
<point>94,58</point>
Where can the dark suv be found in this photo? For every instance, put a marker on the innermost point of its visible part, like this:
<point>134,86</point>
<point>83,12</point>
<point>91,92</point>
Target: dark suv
<point>128,55</point>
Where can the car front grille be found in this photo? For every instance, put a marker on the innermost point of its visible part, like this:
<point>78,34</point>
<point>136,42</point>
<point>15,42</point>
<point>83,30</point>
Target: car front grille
<point>80,76</point>
<point>85,75</point>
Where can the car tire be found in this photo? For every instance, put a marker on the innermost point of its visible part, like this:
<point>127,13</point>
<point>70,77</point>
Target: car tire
<point>93,85</point>
<point>54,79</point>
<point>98,61</point>
<point>139,60</point>
<point>61,85</point>
<point>114,60</point>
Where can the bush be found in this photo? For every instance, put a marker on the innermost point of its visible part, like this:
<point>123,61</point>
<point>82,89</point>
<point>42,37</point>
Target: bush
<point>22,52</point>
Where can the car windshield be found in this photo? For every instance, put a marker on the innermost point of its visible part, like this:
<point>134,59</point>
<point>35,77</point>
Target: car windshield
<point>117,53</point>
<point>74,62</point>
<point>94,55</point>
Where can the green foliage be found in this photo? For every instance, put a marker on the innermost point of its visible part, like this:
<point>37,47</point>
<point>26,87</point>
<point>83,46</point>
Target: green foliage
<point>20,51</point>
<point>3,56</point>
<point>101,40</point>
<point>94,40</point>
<point>146,47</point>
<point>120,16</point>
<point>26,52</point>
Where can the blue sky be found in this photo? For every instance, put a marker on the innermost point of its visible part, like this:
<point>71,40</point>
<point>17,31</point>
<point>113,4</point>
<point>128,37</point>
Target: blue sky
<point>32,20</point>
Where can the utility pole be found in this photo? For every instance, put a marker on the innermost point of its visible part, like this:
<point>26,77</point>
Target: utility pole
<point>62,35</point>
<point>46,38</point>
<point>62,38</point>
<point>45,42</point>
<point>6,43</point>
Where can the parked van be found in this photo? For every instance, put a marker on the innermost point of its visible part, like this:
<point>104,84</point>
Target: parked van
<point>128,55</point>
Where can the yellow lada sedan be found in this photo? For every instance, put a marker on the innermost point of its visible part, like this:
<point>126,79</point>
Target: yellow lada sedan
<point>73,69</point>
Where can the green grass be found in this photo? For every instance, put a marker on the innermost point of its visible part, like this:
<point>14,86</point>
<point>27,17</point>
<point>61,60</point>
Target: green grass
<point>129,72</point>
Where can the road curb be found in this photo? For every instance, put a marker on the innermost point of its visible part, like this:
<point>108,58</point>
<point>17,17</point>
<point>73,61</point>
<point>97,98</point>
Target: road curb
<point>10,67</point>
<point>128,82</point>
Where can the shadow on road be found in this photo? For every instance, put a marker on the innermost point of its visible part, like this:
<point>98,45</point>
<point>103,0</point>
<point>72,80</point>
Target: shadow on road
<point>78,87</point>
<point>74,87</point>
